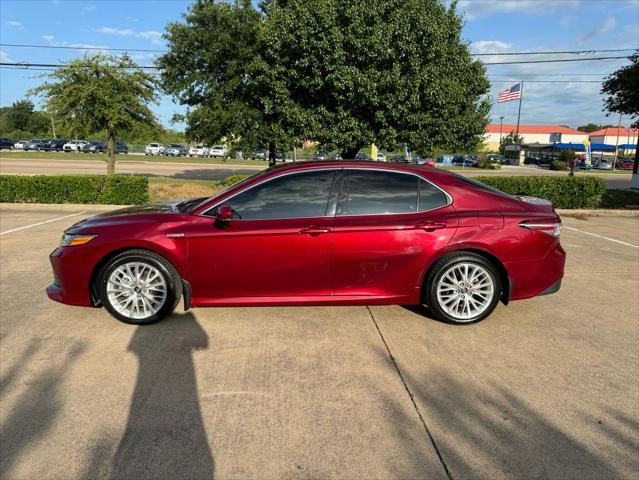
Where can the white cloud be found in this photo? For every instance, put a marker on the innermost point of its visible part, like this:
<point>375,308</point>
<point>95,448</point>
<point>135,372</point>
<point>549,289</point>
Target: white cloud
<point>490,46</point>
<point>14,24</point>
<point>150,35</point>
<point>131,19</point>
<point>479,8</point>
<point>5,58</point>
<point>90,48</point>
<point>598,30</point>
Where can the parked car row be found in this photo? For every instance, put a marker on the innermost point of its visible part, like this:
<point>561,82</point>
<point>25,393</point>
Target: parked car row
<point>62,145</point>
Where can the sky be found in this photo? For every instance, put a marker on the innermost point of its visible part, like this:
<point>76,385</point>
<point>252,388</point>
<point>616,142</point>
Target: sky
<point>553,93</point>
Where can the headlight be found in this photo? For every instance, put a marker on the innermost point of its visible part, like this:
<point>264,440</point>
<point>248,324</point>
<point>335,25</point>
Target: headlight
<point>74,240</point>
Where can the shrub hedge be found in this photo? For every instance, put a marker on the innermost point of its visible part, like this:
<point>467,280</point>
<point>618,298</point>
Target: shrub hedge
<point>563,192</point>
<point>101,189</point>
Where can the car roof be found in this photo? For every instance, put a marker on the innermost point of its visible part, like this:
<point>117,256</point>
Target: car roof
<point>400,167</point>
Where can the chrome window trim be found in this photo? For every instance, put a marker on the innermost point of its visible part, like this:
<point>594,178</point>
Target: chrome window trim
<point>449,199</point>
<point>266,180</point>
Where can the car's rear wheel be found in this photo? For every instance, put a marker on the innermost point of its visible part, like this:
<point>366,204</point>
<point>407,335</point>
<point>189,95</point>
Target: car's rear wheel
<point>462,288</point>
<point>139,287</point>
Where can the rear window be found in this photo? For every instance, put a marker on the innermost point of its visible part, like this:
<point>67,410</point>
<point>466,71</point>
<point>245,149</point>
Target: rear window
<point>483,186</point>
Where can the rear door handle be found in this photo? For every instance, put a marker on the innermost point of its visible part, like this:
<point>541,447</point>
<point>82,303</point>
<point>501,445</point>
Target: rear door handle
<point>314,231</point>
<point>430,226</point>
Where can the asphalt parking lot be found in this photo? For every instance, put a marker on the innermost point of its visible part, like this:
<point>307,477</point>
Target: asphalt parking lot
<point>544,388</point>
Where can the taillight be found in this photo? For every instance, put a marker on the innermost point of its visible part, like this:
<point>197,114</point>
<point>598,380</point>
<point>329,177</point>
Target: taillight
<point>549,228</point>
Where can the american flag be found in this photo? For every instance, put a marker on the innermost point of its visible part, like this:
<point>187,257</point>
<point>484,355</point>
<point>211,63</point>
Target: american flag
<point>512,93</point>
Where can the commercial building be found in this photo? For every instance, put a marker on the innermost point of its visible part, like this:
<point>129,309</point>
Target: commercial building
<point>615,136</point>
<point>533,134</point>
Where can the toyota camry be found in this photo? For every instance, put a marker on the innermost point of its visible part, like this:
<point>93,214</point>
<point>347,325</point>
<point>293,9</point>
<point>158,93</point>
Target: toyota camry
<point>317,233</point>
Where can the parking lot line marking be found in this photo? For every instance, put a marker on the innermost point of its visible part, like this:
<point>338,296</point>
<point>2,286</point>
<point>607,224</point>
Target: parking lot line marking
<point>600,236</point>
<point>42,223</point>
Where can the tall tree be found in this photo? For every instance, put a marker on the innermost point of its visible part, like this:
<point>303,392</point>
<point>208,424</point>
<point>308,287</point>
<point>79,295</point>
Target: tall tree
<point>98,93</point>
<point>622,96</point>
<point>388,72</point>
<point>215,66</point>
<point>510,139</point>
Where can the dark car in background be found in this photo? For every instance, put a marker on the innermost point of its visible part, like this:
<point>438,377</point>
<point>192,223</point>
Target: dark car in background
<point>122,148</point>
<point>53,145</point>
<point>96,147</point>
<point>7,143</point>
<point>361,156</point>
<point>259,154</point>
<point>175,150</point>
<point>464,161</point>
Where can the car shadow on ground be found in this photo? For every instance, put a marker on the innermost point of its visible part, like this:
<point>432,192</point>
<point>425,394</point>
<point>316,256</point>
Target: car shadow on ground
<point>165,435</point>
<point>486,430</point>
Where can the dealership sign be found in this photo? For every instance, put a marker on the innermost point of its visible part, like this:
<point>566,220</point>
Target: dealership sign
<point>555,137</point>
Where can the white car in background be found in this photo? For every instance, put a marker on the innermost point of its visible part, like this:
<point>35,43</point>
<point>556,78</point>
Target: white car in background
<point>75,146</point>
<point>154,149</point>
<point>218,151</point>
<point>198,150</point>
<point>381,157</point>
<point>20,145</point>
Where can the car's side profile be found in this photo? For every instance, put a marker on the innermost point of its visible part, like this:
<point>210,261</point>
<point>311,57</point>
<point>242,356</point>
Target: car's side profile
<point>317,233</point>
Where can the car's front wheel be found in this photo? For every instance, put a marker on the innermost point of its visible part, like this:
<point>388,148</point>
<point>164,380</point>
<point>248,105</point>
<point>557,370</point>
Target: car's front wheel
<point>462,288</point>
<point>139,287</point>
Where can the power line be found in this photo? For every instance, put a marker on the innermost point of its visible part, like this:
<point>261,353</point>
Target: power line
<point>556,52</point>
<point>58,65</point>
<point>70,47</point>
<point>520,62</point>
<point>483,54</point>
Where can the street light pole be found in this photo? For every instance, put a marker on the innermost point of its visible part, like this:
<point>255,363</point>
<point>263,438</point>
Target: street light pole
<point>501,124</point>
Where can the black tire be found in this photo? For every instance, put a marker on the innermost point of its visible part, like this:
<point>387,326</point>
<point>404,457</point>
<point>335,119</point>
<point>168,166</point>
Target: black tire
<point>438,270</point>
<point>168,271</point>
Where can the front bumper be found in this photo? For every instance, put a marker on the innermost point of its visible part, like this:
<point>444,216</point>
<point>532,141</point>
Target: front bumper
<point>72,277</point>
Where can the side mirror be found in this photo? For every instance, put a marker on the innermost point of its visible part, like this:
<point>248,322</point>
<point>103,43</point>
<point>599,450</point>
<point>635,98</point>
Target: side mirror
<point>224,213</point>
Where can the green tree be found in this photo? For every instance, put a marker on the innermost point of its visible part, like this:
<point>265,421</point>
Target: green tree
<point>592,127</point>
<point>19,115</point>
<point>98,93</point>
<point>510,139</point>
<point>622,96</point>
<point>389,72</point>
<point>215,67</point>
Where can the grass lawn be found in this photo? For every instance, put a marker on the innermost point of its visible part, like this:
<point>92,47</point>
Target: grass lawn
<point>130,158</point>
<point>161,188</point>
<point>620,199</point>
<point>605,172</point>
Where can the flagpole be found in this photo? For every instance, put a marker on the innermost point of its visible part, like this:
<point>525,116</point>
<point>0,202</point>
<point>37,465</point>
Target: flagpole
<point>521,95</point>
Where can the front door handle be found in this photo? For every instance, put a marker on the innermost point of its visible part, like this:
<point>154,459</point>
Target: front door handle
<point>430,226</point>
<point>314,231</point>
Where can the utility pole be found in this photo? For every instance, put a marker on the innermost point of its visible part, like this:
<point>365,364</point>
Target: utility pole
<point>521,95</point>
<point>617,144</point>
<point>501,124</point>
<point>52,125</point>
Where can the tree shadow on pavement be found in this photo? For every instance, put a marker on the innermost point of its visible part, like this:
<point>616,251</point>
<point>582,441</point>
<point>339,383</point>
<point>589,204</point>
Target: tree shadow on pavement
<point>485,430</point>
<point>36,409</point>
<point>165,435</point>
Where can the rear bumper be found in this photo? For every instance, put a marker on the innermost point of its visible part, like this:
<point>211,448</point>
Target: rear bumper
<point>537,277</point>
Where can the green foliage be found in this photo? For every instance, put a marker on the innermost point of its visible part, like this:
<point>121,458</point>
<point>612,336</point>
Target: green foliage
<point>510,139</point>
<point>21,121</point>
<point>592,127</point>
<point>232,180</point>
<point>346,74</point>
<point>563,192</point>
<point>566,156</point>
<point>112,189</point>
<point>558,165</point>
<point>622,93</point>
<point>98,93</point>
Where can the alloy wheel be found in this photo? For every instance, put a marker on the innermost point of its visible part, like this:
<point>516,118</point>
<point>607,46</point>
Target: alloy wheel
<point>465,290</point>
<point>136,290</point>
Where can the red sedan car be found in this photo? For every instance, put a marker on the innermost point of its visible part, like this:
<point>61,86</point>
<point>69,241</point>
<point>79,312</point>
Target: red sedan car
<point>317,233</point>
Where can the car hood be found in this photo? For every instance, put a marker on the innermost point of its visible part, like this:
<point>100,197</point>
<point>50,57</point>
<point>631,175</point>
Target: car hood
<point>150,212</point>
